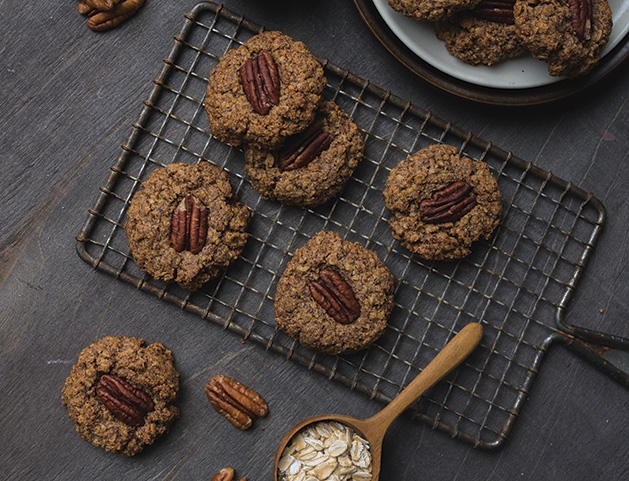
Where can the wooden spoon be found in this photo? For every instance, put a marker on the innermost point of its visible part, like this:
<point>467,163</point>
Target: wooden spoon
<point>374,428</point>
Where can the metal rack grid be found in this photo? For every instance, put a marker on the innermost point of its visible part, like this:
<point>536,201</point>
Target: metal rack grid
<point>517,285</point>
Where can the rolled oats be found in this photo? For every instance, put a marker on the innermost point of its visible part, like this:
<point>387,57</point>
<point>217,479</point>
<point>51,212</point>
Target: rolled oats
<point>326,451</point>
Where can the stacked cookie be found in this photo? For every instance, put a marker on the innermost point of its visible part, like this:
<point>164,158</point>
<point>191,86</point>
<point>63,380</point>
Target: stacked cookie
<point>569,35</point>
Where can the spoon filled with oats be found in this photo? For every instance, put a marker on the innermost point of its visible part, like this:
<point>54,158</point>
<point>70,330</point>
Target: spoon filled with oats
<point>343,448</point>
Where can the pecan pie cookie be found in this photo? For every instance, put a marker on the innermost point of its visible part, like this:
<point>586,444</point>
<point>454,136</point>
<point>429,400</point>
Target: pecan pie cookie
<point>186,224</point>
<point>263,91</point>
<point>441,202</point>
<point>121,393</point>
<point>431,10</point>
<point>567,34</point>
<point>335,296</point>
<point>484,35</point>
<point>312,166</point>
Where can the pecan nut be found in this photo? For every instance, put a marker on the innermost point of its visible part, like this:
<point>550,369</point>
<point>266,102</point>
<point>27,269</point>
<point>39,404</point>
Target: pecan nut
<point>335,296</point>
<point>189,225</point>
<point>448,204</point>
<point>239,404</point>
<point>260,80</point>
<point>226,474</point>
<point>498,11</point>
<point>105,18</point>
<point>581,18</point>
<point>86,6</point>
<point>302,148</point>
<point>127,404</point>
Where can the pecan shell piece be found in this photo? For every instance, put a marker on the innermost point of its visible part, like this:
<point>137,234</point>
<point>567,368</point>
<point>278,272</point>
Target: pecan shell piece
<point>448,204</point>
<point>335,296</point>
<point>126,403</point>
<point>189,225</point>
<point>239,404</point>
<point>302,148</point>
<point>260,80</point>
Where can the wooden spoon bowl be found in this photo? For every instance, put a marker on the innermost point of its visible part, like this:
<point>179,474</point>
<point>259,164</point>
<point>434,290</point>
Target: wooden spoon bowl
<point>374,428</point>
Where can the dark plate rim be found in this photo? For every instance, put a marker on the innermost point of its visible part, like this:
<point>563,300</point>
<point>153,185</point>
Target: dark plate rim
<point>478,93</point>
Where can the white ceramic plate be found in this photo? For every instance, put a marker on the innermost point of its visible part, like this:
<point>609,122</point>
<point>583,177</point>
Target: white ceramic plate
<point>520,73</point>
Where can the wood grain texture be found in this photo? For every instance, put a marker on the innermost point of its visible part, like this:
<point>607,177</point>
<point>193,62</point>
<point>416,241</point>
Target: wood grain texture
<point>69,97</point>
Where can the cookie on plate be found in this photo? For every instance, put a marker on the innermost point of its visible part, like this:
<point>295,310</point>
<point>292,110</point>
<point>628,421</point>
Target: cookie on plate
<point>312,166</point>
<point>483,35</point>
<point>121,393</point>
<point>186,224</point>
<point>568,35</point>
<point>335,296</point>
<point>263,91</point>
<point>441,202</point>
<point>431,10</point>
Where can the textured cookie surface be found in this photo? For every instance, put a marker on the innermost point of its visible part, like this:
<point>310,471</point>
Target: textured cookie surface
<point>150,216</point>
<point>320,179</point>
<point>149,368</point>
<point>299,314</point>
<point>416,179</point>
<point>431,10</point>
<point>478,41</point>
<point>547,30</point>
<point>231,116</point>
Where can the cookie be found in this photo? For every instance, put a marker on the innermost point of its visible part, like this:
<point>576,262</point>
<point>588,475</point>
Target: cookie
<point>431,10</point>
<point>118,369</point>
<point>441,202</point>
<point>335,296</point>
<point>186,224</point>
<point>571,44</point>
<point>312,166</point>
<point>476,40</point>
<point>263,91</point>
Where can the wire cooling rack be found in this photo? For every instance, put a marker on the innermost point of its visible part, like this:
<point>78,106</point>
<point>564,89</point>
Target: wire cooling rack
<point>517,285</point>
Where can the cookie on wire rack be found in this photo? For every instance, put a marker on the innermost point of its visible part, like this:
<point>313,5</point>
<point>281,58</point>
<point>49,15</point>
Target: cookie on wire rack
<point>335,296</point>
<point>186,224</point>
<point>263,91</point>
<point>441,202</point>
<point>312,166</point>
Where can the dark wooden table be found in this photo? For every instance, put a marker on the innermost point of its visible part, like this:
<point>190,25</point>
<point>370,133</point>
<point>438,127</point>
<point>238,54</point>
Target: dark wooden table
<point>69,97</point>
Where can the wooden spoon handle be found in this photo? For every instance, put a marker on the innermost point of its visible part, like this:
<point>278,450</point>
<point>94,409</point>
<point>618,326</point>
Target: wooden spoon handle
<point>453,354</point>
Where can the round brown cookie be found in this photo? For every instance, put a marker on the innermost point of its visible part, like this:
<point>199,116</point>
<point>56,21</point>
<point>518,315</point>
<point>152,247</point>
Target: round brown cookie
<point>426,218</point>
<point>551,33</point>
<point>300,79</point>
<point>301,174</point>
<point>90,390</point>
<point>305,319</point>
<point>477,40</point>
<point>199,258</point>
<point>431,10</point>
